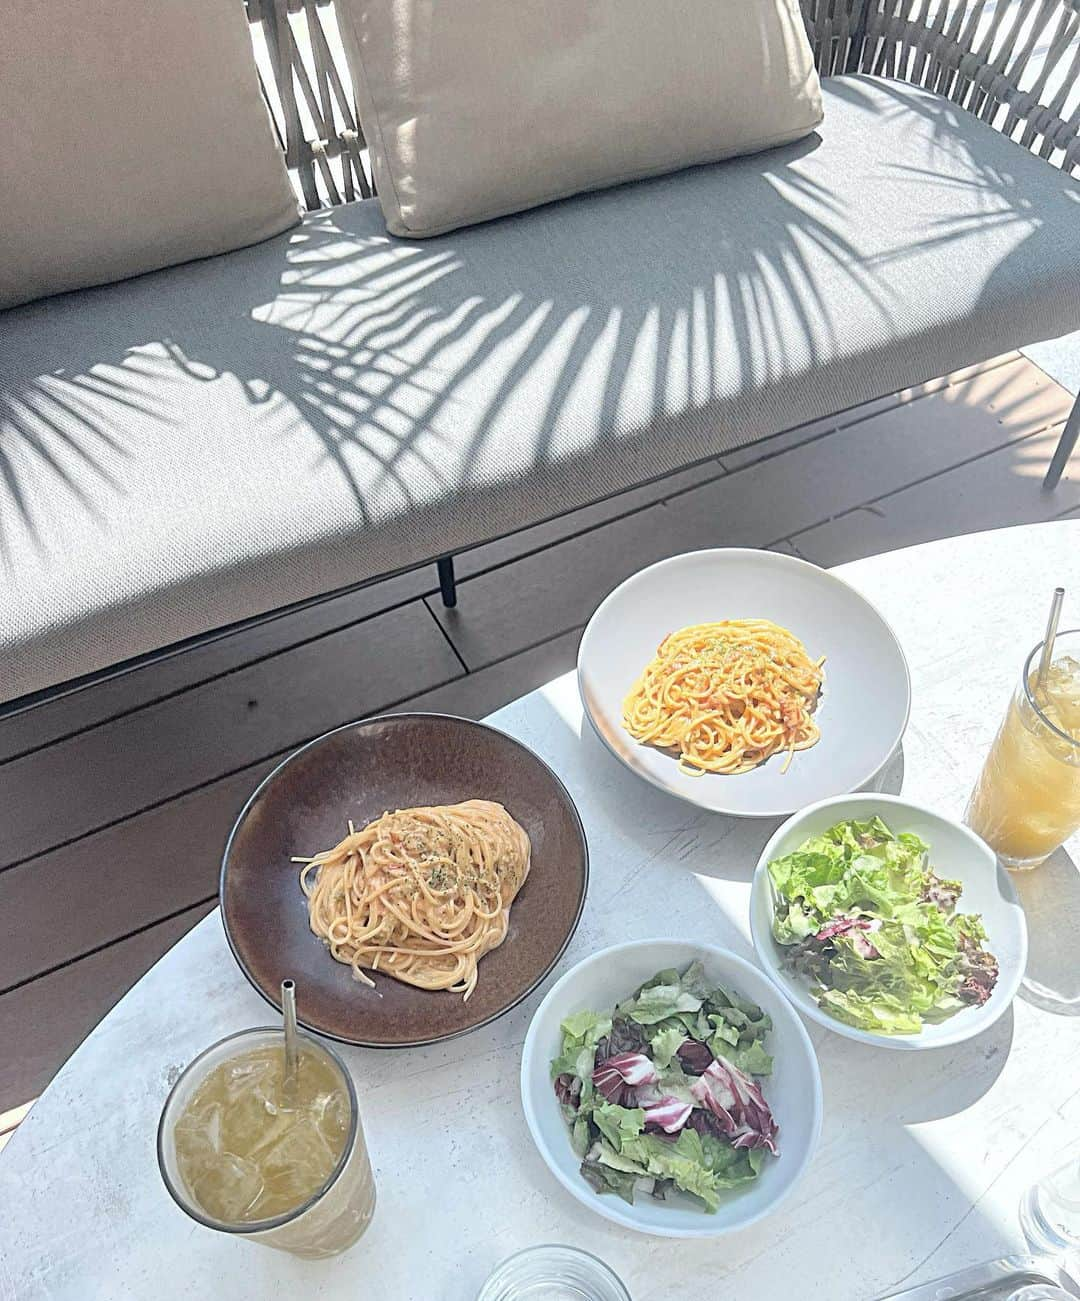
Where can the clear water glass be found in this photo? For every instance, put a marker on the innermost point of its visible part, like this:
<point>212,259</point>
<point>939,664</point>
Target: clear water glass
<point>553,1273</point>
<point>1050,1212</point>
<point>1041,1292</point>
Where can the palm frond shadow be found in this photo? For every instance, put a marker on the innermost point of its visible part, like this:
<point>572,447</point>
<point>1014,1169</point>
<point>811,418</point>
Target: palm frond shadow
<point>370,345</point>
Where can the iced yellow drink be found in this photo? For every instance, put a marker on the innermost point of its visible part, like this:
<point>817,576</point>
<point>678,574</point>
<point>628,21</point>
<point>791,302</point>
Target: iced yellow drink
<point>1026,801</point>
<point>246,1151</point>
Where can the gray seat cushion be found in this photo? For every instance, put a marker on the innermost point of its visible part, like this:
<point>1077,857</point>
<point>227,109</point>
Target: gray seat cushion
<point>209,442</point>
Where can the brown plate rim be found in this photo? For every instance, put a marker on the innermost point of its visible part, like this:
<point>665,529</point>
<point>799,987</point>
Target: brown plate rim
<point>560,785</point>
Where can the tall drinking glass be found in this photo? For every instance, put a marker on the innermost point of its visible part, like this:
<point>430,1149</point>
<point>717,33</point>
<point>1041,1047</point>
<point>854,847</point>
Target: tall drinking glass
<point>1026,801</point>
<point>1050,1212</point>
<point>247,1150</point>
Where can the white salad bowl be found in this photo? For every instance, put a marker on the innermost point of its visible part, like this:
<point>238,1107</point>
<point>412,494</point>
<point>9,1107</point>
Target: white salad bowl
<point>793,1091</point>
<point>955,854</point>
<point>863,663</point>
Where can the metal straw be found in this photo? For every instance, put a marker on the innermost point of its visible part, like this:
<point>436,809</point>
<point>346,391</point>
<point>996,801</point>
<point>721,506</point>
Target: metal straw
<point>288,1011</point>
<point>1051,632</point>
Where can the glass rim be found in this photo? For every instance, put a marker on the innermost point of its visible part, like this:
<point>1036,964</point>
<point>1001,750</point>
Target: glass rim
<point>538,1250</point>
<point>186,1201</point>
<point>1030,695</point>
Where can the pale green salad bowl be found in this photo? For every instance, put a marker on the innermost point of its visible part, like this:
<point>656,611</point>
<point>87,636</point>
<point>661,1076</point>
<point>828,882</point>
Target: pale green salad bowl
<point>870,958</point>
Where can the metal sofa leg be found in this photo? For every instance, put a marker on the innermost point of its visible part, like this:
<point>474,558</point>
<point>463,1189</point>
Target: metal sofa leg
<point>1066,443</point>
<point>447,581</point>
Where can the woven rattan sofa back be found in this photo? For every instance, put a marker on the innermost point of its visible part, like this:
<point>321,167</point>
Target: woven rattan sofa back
<point>1014,63</point>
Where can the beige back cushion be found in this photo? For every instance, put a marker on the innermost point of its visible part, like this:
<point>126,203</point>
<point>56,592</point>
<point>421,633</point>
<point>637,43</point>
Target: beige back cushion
<point>477,108</point>
<point>134,135</point>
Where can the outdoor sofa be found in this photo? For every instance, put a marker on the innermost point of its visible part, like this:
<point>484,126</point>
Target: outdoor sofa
<point>189,450</point>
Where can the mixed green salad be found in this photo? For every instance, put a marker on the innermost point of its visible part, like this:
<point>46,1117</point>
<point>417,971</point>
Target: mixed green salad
<point>865,919</point>
<point>660,1093</point>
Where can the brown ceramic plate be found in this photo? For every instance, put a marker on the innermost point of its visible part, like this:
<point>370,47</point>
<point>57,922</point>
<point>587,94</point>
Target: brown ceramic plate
<point>359,772</point>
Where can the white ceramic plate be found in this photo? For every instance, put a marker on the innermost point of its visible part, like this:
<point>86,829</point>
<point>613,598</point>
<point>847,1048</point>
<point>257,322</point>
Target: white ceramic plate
<point>793,1091</point>
<point>864,705</point>
<point>956,854</point>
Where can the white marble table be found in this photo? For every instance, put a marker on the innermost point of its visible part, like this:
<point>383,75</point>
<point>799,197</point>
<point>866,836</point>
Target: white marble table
<point>923,1156</point>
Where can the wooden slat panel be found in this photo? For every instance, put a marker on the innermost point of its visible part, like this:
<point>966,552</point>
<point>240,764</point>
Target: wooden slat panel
<point>784,442</point>
<point>917,439</point>
<point>998,490</point>
<point>43,1023</point>
<point>506,610</point>
<point>488,689</point>
<point>542,536</point>
<point>69,714</point>
<point>71,788</point>
<point>128,876</point>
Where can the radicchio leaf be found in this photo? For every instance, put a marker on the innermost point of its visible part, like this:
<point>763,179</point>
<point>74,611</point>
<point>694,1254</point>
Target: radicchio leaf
<point>942,893</point>
<point>979,971</point>
<point>862,946</point>
<point>706,1123</point>
<point>619,1078</point>
<point>694,1057</point>
<point>625,1036</point>
<point>738,1105</point>
<point>855,929</point>
<point>667,1114</point>
<point>568,1089</point>
<point>845,925</point>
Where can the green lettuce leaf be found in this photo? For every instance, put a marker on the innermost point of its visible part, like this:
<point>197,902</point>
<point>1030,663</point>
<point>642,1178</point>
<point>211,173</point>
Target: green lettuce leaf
<point>665,1044</point>
<point>694,981</point>
<point>794,921</point>
<point>605,1179</point>
<point>751,1058</point>
<point>796,875</point>
<point>684,1162</point>
<point>581,1032</point>
<point>586,1027</point>
<point>618,1124</point>
<point>581,1134</point>
<point>883,1014</point>
<point>616,1161</point>
<point>574,1060</point>
<point>731,1166</point>
<point>733,1017</point>
<point>723,1039</point>
<point>743,1024</point>
<point>675,1083</point>
<point>659,1002</point>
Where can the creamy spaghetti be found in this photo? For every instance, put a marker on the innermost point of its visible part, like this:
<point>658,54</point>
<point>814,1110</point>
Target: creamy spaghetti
<point>421,894</point>
<point>726,696</point>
